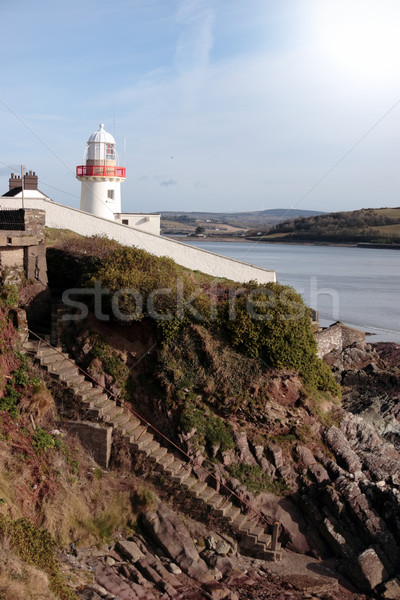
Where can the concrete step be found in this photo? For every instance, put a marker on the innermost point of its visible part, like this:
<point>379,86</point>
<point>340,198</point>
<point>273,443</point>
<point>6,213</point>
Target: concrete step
<point>98,406</point>
<point>77,381</point>
<point>147,448</point>
<point>175,468</point>
<point>45,350</point>
<point>239,520</point>
<point>53,358</point>
<point>200,486</point>
<point>121,421</point>
<point>31,346</point>
<point>101,401</point>
<point>233,513</point>
<point>62,368</point>
<point>266,539</point>
<point>145,440</point>
<point>134,423</point>
<point>223,509</point>
<point>216,501</point>
<point>166,460</point>
<point>157,454</point>
<point>206,494</point>
<point>180,475</point>
<point>151,448</point>
<point>88,392</point>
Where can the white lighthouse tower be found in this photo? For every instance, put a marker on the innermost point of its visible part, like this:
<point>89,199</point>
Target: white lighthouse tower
<point>100,177</point>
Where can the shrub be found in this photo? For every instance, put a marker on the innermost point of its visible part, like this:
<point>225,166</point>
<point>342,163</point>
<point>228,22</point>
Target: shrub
<point>256,481</point>
<point>36,547</point>
<point>210,430</point>
<point>271,322</point>
<point>42,441</point>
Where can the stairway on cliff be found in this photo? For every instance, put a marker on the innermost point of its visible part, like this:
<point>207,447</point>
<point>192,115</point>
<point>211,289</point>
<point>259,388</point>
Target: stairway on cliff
<point>97,405</point>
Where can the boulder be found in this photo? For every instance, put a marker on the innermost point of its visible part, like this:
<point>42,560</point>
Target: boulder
<point>129,550</point>
<point>341,448</point>
<point>243,449</point>
<point>391,589</point>
<point>169,532</point>
<point>367,571</point>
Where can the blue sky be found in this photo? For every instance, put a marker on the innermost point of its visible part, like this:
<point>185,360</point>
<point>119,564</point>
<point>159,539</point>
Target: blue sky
<point>261,103</point>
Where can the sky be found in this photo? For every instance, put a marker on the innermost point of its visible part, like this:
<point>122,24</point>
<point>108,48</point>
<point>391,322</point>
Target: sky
<point>215,105</point>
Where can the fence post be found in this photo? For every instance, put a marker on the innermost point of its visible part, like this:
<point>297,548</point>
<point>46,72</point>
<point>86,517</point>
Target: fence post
<point>275,535</point>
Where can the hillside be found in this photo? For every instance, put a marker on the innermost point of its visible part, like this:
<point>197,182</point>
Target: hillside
<point>217,224</point>
<point>254,419</point>
<point>372,226</point>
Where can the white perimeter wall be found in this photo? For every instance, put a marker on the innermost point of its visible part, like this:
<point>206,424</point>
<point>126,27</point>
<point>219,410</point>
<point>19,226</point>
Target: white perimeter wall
<point>64,217</point>
<point>149,223</point>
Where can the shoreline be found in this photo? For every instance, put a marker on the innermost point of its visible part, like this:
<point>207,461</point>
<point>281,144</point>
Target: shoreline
<point>241,240</point>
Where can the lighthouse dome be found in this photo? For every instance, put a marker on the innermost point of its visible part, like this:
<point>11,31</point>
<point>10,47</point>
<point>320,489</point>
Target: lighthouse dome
<point>101,147</point>
<point>101,136</point>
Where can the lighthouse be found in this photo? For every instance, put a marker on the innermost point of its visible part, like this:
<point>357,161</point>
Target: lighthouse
<point>101,177</point>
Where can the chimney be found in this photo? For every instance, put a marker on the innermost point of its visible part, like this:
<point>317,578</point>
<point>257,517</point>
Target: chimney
<point>15,181</point>
<point>30,181</point>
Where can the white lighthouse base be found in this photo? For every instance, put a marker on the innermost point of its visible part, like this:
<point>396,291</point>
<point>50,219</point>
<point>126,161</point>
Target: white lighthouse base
<point>100,197</point>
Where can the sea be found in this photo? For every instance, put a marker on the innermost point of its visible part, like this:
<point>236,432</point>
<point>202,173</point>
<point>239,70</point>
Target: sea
<point>358,286</point>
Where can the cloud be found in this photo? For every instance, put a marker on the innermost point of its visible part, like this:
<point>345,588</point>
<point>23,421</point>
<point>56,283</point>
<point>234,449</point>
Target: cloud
<point>168,182</point>
<point>194,44</point>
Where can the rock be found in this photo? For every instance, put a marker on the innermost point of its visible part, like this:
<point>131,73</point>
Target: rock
<point>89,594</point>
<point>222,548</point>
<point>129,550</point>
<point>264,463</point>
<point>167,529</point>
<point>174,569</point>
<point>117,585</point>
<point>243,449</point>
<point>341,448</point>
<point>227,566</point>
<point>210,542</point>
<point>391,589</point>
<point>217,591</point>
<point>367,572</point>
<point>305,455</point>
<point>319,473</point>
<point>109,560</point>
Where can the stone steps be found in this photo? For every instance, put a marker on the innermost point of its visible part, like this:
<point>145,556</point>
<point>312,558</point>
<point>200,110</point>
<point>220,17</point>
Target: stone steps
<point>252,537</point>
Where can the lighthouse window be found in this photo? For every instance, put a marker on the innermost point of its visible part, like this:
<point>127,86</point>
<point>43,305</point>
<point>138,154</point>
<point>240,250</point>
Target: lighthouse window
<point>110,194</point>
<point>110,152</point>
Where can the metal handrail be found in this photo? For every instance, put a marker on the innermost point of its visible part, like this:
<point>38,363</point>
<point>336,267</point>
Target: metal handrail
<point>275,525</point>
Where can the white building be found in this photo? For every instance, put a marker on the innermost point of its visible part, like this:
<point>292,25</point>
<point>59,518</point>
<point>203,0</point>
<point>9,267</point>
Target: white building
<point>101,179</point>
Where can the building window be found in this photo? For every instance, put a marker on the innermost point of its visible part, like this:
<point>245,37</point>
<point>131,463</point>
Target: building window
<point>110,195</point>
<point>110,154</point>
<point>125,222</point>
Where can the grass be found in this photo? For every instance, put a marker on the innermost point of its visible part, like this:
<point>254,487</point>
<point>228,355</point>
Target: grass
<point>256,481</point>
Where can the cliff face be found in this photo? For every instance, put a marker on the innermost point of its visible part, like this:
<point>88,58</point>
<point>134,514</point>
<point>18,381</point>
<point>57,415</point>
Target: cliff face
<point>325,471</point>
<point>272,431</point>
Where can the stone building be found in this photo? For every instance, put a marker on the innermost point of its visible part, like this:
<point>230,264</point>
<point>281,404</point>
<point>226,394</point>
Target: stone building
<point>22,246</point>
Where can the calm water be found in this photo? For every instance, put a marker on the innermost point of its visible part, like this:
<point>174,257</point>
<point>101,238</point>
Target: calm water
<point>358,286</point>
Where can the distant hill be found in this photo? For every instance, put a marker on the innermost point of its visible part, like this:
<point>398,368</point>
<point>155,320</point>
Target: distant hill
<point>368,225</point>
<point>260,219</point>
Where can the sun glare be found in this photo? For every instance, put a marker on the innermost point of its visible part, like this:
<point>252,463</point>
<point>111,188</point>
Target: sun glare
<point>360,36</point>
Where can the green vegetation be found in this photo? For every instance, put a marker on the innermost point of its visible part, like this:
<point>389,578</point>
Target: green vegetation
<point>36,547</point>
<point>8,296</point>
<point>273,324</point>
<point>210,431</point>
<point>380,226</point>
<point>21,382</point>
<point>256,481</point>
<point>242,330</point>
<point>112,363</point>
